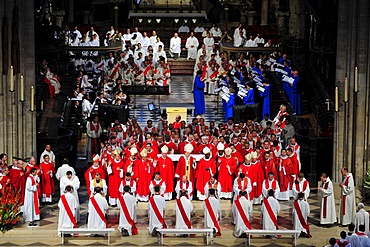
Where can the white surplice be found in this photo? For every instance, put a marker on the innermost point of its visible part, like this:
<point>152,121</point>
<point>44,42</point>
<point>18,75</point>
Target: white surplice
<point>188,208</point>
<point>130,202</point>
<point>216,208</point>
<point>362,219</point>
<point>267,223</point>
<point>64,222</point>
<point>350,202</point>
<point>331,215</point>
<point>94,220</point>
<point>29,212</point>
<point>175,45</point>
<point>305,210</point>
<point>192,51</point>
<point>188,187</point>
<point>153,220</point>
<point>240,226</point>
<point>265,190</point>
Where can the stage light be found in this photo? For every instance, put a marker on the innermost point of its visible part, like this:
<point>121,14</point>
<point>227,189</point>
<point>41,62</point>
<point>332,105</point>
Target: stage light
<point>149,20</point>
<point>176,20</point>
<point>158,20</point>
<point>194,21</point>
<point>140,20</point>
<point>186,20</point>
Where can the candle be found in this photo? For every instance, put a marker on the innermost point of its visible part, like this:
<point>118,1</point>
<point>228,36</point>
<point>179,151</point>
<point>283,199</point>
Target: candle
<point>22,88</point>
<point>42,105</point>
<point>327,102</point>
<point>32,98</point>
<point>11,79</point>
<point>346,89</point>
<point>336,99</point>
<point>356,79</point>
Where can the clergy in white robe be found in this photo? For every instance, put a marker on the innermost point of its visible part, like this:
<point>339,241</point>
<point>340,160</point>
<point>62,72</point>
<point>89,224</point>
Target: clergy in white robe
<point>301,211</point>
<point>191,45</point>
<point>250,42</point>
<point>301,185</point>
<point>157,181</point>
<point>62,171</point>
<point>211,184</point>
<point>127,213</point>
<point>270,210</point>
<point>212,212</point>
<point>97,208</point>
<point>343,242</point>
<point>243,215</point>
<point>98,182</point>
<point>239,30</point>
<point>67,209</point>
<point>48,152</point>
<point>183,209</point>
<point>352,236</point>
<point>347,204</point>
<point>31,209</point>
<point>129,182</point>
<point>74,182</point>
<point>186,186</point>
<point>242,185</point>
<point>208,42</point>
<point>328,214</point>
<point>270,183</point>
<point>157,207</point>
<point>175,46</point>
<point>361,220</point>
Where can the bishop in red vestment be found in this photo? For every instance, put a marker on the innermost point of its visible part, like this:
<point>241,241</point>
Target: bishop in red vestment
<point>225,174</point>
<point>166,168</point>
<point>186,165</point>
<point>92,170</point>
<point>115,175</point>
<point>205,169</point>
<point>144,171</point>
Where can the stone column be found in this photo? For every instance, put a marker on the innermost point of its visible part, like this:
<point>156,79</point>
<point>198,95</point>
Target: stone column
<point>294,20</point>
<point>86,17</point>
<point>281,17</point>
<point>58,17</point>
<point>71,13</point>
<point>250,15</point>
<point>265,12</point>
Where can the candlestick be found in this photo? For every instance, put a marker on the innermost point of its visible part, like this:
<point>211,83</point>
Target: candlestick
<point>336,99</point>
<point>42,105</point>
<point>346,89</point>
<point>22,88</point>
<point>11,79</point>
<point>327,102</point>
<point>32,98</point>
<point>356,79</point>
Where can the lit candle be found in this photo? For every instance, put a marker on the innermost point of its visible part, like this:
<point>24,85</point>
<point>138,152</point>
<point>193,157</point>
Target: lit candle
<point>11,79</point>
<point>346,89</point>
<point>327,104</point>
<point>336,99</point>
<point>32,98</point>
<point>42,105</point>
<point>22,88</point>
<point>356,79</point>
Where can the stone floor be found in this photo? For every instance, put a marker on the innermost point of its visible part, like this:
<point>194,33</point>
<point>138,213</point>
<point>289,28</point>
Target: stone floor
<point>45,234</point>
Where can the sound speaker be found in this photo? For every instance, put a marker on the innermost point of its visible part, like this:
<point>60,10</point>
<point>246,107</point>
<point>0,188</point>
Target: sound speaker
<point>244,112</point>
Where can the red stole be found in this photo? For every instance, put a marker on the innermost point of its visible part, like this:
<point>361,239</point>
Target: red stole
<point>183,214</point>
<point>212,214</point>
<point>68,210</point>
<point>305,183</point>
<point>273,185</point>
<point>270,212</point>
<point>345,196</point>
<point>99,211</point>
<point>100,65</point>
<point>114,71</point>
<point>242,214</point>
<point>204,73</point>
<point>326,185</point>
<point>92,127</point>
<point>214,74</point>
<point>147,70</point>
<point>127,215</point>
<point>35,197</point>
<point>301,218</point>
<point>157,213</point>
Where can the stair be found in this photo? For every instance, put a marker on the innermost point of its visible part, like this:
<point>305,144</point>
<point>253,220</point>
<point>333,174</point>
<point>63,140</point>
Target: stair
<point>181,66</point>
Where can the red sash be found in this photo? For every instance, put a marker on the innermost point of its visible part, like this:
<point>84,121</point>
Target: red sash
<point>270,212</point>
<point>305,183</point>
<point>204,73</point>
<point>344,197</point>
<point>344,244</point>
<point>214,74</point>
<point>100,65</point>
<point>326,185</point>
<point>242,214</point>
<point>99,211</point>
<point>127,215</point>
<point>147,70</point>
<point>35,197</point>
<point>138,73</point>
<point>187,186</point>
<point>183,214</point>
<point>301,219</point>
<point>92,127</point>
<point>212,215</point>
<point>68,210</point>
<point>114,71</point>
<point>157,213</point>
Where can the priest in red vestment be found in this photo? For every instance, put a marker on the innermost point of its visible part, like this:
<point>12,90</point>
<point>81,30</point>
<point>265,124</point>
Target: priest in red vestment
<point>115,175</point>
<point>205,169</point>
<point>186,165</point>
<point>268,164</point>
<point>285,176</point>
<point>166,168</point>
<point>225,174</point>
<point>131,162</point>
<point>47,181</point>
<point>18,178</point>
<point>144,171</point>
<point>92,170</point>
<point>259,178</point>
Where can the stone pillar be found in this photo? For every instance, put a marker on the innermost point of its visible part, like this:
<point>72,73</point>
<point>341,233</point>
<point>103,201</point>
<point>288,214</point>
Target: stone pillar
<point>86,15</point>
<point>58,17</point>
<point>281,17</point>
<point>351,138</point>
<point>250,15</point>
<point>294,20</point>
<point>265,12</point>
<point>71,13</point>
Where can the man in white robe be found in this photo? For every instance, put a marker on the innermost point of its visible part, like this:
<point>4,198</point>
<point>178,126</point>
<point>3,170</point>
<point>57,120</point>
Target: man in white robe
<point>153,39</point>
<point>186,186</point>
<point>48,152</point>
<point>243,214</point>
<point>361,220</point>
<point>301,211</point>
<point>343,242</point>
<point>157,207</point>
<point>191,45</point>
<point>67,209</point>
<point>31,211</point>
<point>129,182</point>
<point>212,213</point>
<point>270,183</point>
<point>93,132</point>
<point>157,181</point>
<point>270,210</point>
<point>347,204</point>
<point>212,184</point>
<point>175,46</point>
<point>183,209</point>
<point>127,213</point>
<point>98,182</point>
<point>301,185</point>
<point>328,215</point>
<point>352,236</point>
<point>97,208</point>
<point>250,42</point>
<point>208,42</point>
<point>238,30</point>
